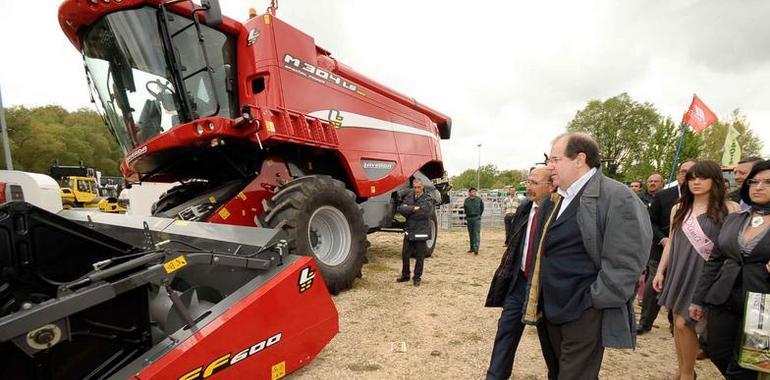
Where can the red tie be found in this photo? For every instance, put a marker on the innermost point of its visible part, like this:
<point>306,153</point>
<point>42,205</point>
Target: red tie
<point>531,243</point>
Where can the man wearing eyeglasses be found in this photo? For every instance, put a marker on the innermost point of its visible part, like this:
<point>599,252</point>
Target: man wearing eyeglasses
<point>592,246</point>
<point>509,284</point>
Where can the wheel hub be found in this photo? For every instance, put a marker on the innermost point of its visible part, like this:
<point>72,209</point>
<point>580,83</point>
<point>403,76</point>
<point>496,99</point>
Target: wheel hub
<point>329,235</point>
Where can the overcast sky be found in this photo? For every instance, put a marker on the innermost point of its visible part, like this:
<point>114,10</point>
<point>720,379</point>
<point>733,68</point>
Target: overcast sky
<point>511,74</point>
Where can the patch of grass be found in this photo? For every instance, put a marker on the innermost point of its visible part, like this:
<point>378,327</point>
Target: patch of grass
<point>364,367</point>
<point>455,342</point>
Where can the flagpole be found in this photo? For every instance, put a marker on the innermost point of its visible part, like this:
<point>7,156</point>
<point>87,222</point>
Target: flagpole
<point>6,144</point>
<point>682,129</point>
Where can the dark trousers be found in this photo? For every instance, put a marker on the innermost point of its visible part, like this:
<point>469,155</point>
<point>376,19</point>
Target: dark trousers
<point>508,219</point>
<point>724,333</point>
<point>418,247</point>
<point>474,232</point>
<point>650,306</point>
<point>578,345</point>
<point>509,331</point>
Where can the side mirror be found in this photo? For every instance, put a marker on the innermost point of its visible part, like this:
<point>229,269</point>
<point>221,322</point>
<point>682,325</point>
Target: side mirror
<point>213,12</point>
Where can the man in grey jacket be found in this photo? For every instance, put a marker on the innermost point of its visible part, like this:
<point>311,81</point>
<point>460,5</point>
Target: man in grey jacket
<point>593,244</point>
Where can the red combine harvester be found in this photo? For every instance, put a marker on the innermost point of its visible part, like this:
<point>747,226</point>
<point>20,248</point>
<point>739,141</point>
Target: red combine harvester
<point>262,127</point>
<point>282,154</point>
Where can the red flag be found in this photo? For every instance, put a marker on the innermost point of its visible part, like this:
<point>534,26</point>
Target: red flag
<point>699,116</point>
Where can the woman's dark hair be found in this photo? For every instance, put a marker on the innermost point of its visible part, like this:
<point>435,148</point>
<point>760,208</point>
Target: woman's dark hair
<point>758,167</point>
<point>717,210</point>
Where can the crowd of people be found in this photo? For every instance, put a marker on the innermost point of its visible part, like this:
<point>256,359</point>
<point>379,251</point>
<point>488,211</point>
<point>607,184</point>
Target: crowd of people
<point>576,247</point>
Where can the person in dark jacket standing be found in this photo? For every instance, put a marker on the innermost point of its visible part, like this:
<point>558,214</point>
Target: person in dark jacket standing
<point>473,207</point>
<point>660,217</point>
<point>739,264</point>
<point>509,284</point>
<point>416,207</point>
<point>592,239</point>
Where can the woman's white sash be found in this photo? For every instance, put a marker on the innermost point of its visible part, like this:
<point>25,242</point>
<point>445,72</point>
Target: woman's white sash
<point>698,239</point>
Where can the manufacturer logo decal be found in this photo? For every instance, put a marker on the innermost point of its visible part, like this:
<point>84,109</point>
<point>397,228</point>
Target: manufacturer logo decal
<point>378,165</point>
<point>252,38</point>
<point>306,277</point>
<point>375,169</point>
<point>135,154</point>
<point>223,362</point>
<point>317,74</point>
<point>335,118</point>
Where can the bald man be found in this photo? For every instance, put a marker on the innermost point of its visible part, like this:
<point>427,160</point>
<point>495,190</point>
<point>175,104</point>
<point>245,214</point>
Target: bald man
<point>509,284</point>
<point>654,183</point>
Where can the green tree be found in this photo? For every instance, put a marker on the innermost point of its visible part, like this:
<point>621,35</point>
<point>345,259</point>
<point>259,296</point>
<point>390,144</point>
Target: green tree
<point>714,137</point>
<point>39,136</point>
<point>621,126</point>
<point>658,156</point>
<point>467,178</point>
<point>508,178</point>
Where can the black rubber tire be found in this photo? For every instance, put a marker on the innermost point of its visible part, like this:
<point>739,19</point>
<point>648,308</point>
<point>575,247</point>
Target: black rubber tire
<point>430,248</point>
<point>293,206</point>
<point>176,196</point>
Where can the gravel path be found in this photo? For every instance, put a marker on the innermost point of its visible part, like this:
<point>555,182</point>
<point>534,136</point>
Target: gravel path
<point>445,330</point>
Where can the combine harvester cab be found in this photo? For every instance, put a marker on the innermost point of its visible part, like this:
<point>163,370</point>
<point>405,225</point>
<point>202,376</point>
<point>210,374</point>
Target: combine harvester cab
<point>91,295</point>
<point>262,127</point>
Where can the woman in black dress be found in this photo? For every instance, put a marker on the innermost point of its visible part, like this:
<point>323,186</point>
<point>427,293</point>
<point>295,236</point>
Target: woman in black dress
<point>739,265</point>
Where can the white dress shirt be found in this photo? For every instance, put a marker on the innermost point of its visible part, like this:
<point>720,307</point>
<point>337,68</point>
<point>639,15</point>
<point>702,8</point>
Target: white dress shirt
<point>572,191</point>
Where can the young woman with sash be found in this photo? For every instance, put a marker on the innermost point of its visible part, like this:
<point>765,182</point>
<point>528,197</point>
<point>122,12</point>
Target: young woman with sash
<point>740,264</point>
<point>695,224</point>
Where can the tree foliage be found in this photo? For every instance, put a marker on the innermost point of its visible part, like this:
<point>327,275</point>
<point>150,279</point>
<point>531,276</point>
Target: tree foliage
<point>39,136</point>
<point>621,126</point>
<point>714,137</point>
<point>636,141</point>
<point>660,149</point>
<point>490,178</point>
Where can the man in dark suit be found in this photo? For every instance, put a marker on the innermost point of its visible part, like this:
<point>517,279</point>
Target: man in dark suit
<point>660,217</point>
<point>593,245</point>
<point>508,288</point>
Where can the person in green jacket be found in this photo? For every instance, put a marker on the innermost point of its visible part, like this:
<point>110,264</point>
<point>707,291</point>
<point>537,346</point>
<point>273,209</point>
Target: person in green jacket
<point>473,207</point>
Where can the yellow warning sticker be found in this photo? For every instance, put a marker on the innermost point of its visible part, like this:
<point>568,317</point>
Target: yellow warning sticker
<point>224,214</point>
<point>267,19</point>
<point>212,200</point>
<point>174,264</point>
<point>279,370</point>
<point>270,126</point>
<point>373,189</point>
<point>242,196</point>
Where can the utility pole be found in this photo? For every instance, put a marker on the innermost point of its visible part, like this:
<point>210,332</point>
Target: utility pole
<point>6,144</point>
<point>478,170</point>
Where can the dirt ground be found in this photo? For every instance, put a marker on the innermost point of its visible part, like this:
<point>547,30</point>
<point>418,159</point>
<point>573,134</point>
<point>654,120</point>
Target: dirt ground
<point>446,331</point>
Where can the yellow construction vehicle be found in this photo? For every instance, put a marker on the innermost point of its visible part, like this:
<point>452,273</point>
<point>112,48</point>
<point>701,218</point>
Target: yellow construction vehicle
<point>79,188</point>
